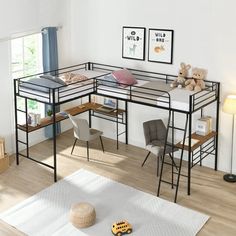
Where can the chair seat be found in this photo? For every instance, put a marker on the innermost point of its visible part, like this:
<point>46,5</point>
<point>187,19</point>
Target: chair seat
<point>157,147</point>
<point>94,133</point>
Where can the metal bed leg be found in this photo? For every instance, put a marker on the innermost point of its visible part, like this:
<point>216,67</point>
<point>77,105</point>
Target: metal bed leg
<point>189,155</point>
<point>27,127</point>
<point>217,127</point>
<point>117,127</point>
<point>90,115</point>
<point>54,139</point>
<point>126,122</point>
<point>16,124</point>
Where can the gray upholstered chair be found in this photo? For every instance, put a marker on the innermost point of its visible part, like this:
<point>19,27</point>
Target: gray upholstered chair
<point>155,134</point>
<point>84,133</point>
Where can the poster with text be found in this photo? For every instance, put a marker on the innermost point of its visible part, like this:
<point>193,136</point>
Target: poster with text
<point>160,45</point>
<point>133,43</point>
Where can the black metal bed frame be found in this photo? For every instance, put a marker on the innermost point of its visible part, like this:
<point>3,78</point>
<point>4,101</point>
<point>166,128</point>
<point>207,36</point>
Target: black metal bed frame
<point>58,96</point>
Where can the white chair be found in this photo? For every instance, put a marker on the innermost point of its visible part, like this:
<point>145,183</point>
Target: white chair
<point>84,133</point>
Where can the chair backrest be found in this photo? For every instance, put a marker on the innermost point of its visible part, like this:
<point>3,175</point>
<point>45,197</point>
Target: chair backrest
<point>154,130</point>
<point>81,128</point>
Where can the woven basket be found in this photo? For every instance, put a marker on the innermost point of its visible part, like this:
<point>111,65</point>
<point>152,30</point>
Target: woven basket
<point>82,215</point>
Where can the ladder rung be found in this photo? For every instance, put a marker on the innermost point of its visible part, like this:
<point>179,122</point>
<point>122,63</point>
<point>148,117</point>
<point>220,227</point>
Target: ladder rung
<point>173,127</point>
<point>167,163</point>
<point>21,110</point>
<point>170,164</point>
<point>121,133</point>
<point>22,142</point>
<point>170,145</point>
<point>167,182</point>
<point>180,174</point>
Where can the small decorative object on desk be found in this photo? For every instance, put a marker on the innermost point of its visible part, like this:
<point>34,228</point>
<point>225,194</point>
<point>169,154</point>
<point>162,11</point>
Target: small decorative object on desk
<point>34,119</point>
<point>93,99</point>
<point>81,106</point>
<point>49,112</point>
<point>63,113</point>
<point>121,228</point>
<point>204,125</point>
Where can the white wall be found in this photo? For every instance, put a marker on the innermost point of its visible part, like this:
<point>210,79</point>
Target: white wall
<point>204,36</point>
<point>18,18</point>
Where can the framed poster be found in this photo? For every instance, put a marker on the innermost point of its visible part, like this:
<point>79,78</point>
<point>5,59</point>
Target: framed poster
<point>160,45</point>
<point>133,43</point>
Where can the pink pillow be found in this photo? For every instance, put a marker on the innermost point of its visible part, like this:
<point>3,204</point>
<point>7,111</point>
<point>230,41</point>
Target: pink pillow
<point>124,77</point>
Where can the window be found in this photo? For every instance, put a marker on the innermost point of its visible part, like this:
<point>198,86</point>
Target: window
<point>26,60</point>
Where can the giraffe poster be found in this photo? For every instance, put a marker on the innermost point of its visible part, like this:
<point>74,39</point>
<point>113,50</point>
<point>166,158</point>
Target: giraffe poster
<point>160,45</point>
<point>133,44</point>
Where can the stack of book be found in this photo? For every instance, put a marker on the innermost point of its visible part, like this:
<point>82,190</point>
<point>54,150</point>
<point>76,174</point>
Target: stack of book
<point>204,125</point>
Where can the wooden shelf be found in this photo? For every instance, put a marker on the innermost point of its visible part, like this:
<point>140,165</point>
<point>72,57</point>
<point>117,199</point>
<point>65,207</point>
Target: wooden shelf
<point>202,139</point>
<point>72,111</point>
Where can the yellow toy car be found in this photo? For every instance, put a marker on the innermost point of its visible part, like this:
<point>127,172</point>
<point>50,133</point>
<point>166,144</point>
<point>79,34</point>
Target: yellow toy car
<point>121,228</point>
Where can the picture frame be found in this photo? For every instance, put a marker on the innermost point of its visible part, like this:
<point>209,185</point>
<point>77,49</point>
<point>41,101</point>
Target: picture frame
<point>133,43</point>
<point>160,45</point>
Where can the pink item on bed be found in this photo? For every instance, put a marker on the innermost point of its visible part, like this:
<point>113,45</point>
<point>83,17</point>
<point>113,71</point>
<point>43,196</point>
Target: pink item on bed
<point>124,77</point>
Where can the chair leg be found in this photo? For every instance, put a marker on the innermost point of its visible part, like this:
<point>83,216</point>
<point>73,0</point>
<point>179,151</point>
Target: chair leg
<point>73,146</point>
<point>87,150</point>
<point>145,159</point>
<point>101,143</point>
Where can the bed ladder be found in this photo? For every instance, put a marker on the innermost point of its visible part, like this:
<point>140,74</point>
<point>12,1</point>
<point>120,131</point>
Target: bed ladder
<point>172,127</point>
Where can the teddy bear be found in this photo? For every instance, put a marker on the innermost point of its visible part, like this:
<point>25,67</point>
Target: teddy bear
<point>182,75</point>
<point>196,83</point>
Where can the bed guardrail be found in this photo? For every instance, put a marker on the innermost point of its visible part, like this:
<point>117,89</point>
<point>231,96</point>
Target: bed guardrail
<point>147,96</point>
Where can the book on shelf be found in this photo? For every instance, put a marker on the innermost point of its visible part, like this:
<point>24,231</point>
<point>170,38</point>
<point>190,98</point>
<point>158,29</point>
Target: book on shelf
<point>193,142</point>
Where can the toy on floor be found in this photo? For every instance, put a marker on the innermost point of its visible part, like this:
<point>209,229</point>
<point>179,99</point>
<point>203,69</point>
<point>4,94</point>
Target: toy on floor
<point>121,228</point>
<point>182,76</point>
<point>196,83</point>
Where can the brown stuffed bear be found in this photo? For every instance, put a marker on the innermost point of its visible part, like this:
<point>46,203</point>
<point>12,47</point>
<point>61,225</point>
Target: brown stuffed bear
<point>196,83</point>
<point>183,73</point>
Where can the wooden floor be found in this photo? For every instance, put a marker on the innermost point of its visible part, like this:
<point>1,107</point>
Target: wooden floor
<point>210,194</point>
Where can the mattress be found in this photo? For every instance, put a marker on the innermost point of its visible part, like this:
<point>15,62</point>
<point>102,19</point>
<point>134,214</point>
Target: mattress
<point>147,92</point>
<point>144,92</point>
<point>179,99</point>
<point>159,93</point>
<point>119,92</point>
<point>64,93</point>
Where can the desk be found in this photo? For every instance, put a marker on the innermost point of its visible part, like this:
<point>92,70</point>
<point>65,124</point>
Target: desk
<point>116,116</point>
<point>200,149</point>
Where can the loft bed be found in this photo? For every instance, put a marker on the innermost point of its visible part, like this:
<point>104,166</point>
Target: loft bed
<point>152,89</point>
